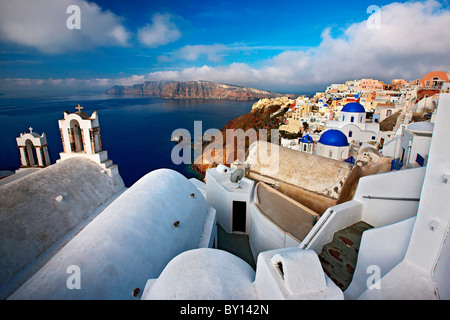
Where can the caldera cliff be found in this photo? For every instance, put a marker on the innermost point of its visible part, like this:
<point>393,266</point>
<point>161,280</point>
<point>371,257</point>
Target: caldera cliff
<point>194,90</point>
<point>265,114</point>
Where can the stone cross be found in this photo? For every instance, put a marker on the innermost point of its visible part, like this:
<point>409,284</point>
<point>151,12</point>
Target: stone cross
<point>31,129</point>
<point>79,108</point>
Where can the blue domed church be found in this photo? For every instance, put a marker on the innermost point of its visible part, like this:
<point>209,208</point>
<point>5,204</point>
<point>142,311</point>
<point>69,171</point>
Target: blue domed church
<point>352,122</point>
<point>333,144</point>
<point>307,144</point>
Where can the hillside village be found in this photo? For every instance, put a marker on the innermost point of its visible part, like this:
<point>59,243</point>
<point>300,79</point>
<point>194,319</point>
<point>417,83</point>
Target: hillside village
<point>355,185</point>
<point>372,115</point>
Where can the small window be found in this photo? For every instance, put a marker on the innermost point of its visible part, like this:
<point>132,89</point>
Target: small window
<point>350,133</point>
<point>352,119</point>
<point>330,153</point>
<point>279,266</point>
<point>373,137</point>
<point>420,160</point>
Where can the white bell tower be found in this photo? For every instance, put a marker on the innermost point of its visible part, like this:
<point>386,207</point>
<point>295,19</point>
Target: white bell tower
<point>307,144</point>
<point>80,135</point>
<point>33,149</point>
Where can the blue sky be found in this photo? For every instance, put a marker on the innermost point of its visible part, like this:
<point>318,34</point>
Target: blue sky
<point>287,46</point>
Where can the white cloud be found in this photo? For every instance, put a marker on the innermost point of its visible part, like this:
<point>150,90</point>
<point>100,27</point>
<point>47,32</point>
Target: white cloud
<point>217,52</point>
<point>212,52</point>
<point>160,32</point>
<point>42,25</point>
<point>413,40</point>
<point>29,85</point>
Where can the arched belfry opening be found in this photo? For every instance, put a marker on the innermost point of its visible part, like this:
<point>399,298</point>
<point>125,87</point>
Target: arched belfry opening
<point>33,149</point>
<point>30,152</point>
<point>76,137</point>
<point>80,136</point>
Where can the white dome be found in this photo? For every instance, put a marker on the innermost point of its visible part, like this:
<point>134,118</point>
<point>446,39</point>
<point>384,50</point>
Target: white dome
<point>45,206</point>
<point>203,274</point>
<point>129,242</point>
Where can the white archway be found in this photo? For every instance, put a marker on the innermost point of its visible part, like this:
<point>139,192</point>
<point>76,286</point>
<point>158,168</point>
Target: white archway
<point>33,149</point>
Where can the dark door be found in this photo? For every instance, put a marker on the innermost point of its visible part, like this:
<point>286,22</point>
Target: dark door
<point>239,215</point>
<point>403,155</point>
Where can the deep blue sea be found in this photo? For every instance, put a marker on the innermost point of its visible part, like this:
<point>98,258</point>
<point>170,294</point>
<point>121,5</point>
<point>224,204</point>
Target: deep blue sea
<point>135,130</point>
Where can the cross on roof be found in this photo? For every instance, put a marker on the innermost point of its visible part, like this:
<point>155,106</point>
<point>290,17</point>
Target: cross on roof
<point>31,129</point>
<point>79,108</point>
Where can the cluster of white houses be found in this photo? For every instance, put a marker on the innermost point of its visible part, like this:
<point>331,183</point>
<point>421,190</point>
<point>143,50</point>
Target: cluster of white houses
<point>301,211</point>
<point>347,115</point>
<point>338,135</point>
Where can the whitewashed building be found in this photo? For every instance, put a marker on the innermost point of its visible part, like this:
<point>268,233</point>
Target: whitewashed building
<point>333,144</point>
<point>411,145</point>
<point>403,249</point>
<point>352,122</point>
<point>129,242</point>
<point>159,235</point>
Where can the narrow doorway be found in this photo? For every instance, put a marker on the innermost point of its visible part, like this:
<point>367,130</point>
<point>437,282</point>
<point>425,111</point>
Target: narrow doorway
<point>239,216</point>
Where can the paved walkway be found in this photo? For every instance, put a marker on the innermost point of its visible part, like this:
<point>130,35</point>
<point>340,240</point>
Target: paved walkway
<point>236,244</point>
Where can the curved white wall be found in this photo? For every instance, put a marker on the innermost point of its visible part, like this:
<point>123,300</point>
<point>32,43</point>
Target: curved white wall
<point>264,235</point>
<point>394,184</point>
<point>383,248</point>
<point>130,242</point>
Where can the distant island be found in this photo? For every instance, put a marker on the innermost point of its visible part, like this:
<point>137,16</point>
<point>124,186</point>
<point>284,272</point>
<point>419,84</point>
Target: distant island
<point>194,90</point>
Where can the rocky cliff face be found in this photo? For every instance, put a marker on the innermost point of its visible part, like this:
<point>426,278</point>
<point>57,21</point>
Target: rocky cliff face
<point>281,102</point>
<point>153,88</point>
<point>193,90</point>
<point>263,115</point>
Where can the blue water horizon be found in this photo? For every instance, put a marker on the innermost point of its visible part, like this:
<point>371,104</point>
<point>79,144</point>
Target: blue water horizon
<point>136,131</point>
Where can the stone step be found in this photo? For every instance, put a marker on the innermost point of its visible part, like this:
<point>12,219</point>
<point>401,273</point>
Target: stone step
<point>107,163</point>
<point>339,257</point>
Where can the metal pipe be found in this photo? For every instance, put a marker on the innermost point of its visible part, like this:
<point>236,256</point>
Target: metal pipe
<point>392,198</point>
